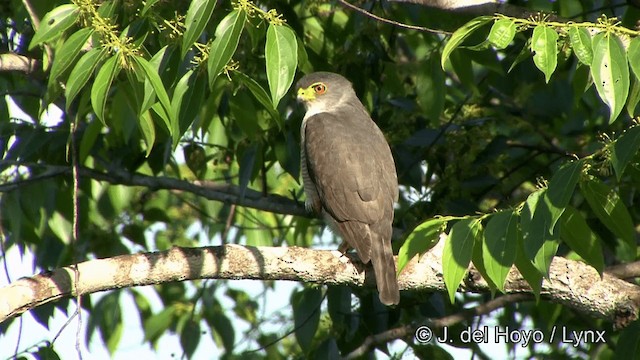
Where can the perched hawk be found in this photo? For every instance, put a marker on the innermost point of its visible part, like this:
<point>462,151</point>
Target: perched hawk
<point>348,173</point>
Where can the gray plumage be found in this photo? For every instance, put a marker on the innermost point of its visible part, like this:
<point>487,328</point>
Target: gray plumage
<point>349,174</point>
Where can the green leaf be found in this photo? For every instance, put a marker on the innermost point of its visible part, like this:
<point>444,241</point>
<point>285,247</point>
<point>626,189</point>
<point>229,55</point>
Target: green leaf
<point>524,54</point>
<point>306,315</point>
<point>261,95</point>
<point>152,75</point>
<point>561,188</point>
<point>608,207</point>
<point>628,346</point>
<point>500,245</point>
<point>246,163</point>
<point>456,256</point>
<point>545,49</point>
<point>634,98</point>
<point>478,260</point>
<point>581,44</point>
<point>422,238</point>
<point>610,72</point>
<point>69,52</point>
<point>461,34</point>
<point>88,139</point>
<point>179,91</point>
<point>624,149</point>
<point>223,328</point>
<point>190,336</point>
<point>147,6</point>
<point>148,131</point>
<point>431,89</point>
<point>192,101</point>
<point>633,53</point>
<point>54,23</point>
<point>243,112</point>
<point>539,240</point>
<point>158,324</point>
<point>502,33</point>
<point>281,55</point>
<point>226,42</point>
<point>81,73</point>
<point>575,232</point>
<point>197,18</point>
<point>527,270</point>
<point>108,319</point>
<point>102,84</point>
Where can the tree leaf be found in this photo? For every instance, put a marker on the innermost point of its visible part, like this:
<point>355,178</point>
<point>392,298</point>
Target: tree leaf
<point>610,72</point>
<point>281,54</point>
<point>190,336</point>
<point>148,130</point>
<point>306,315</point>
<point>261,95</point>
<point>81,73</point>
<point>502,33</point>
<point>224,46</point>
<point>196,20</point>
<point>561,188</point>
<point>158,324</point>
<point>102,84</point>
<point>634,98</point>
<point>539,239</point>
<point>246,163</point>
<point>575,232</point>
<point>461,34</point>
<point>69,52</point>
<point>54,23</point>
<point>526,268</point>
<point>108,319</point>
<point>500,245</point>
<point>431,88</point>
<point>545,48</point>
<point>581,44</point>
<point>161,93</point>
<point>422,238</point>
<point>457,252</point>
<point>147,6</point>
<point>608,207</point>
<point>624,149</point>
<point>633,53</point>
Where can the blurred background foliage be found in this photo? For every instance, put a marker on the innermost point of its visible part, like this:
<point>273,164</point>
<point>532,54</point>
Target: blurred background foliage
<point>471,141</point>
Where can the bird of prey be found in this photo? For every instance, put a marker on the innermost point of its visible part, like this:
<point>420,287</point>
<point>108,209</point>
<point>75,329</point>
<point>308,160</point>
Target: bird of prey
<point>349,174</point>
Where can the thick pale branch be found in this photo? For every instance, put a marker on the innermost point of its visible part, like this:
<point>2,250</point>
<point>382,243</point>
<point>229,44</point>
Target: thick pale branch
<point>571,283</point>
<point>18,63</point>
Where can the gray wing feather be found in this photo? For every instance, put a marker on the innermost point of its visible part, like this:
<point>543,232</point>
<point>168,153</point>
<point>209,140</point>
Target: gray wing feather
<point>357,188</point>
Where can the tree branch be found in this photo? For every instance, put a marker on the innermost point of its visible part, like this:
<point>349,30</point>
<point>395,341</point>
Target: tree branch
<point>19,63</point>
<point>213,191</point>
<point>570,283</point>
<point>435,325</point>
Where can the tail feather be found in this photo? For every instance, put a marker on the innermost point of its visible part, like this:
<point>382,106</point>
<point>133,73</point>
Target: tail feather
<point>384,268</point>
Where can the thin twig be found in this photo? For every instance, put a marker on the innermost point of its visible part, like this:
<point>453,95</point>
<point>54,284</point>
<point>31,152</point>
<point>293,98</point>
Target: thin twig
<point>76,230</point>
<point>387,21</point>
<point>434,325</point>
<point>35,21</point>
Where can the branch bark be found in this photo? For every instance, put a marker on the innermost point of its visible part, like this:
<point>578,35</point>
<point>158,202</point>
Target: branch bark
<point>19,63</point>
<point>213,191</point>
<point>571,283</point>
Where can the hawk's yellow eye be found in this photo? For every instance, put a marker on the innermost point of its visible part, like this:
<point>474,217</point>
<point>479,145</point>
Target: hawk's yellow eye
<point>319,89</point>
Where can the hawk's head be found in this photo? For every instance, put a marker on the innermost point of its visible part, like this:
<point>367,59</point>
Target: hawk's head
<point>320,91</point>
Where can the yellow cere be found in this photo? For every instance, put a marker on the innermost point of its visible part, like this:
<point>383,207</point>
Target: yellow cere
<point>306,94</point>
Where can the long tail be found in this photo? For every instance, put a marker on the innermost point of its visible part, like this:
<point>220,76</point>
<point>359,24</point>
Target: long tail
<point>384,268</point>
